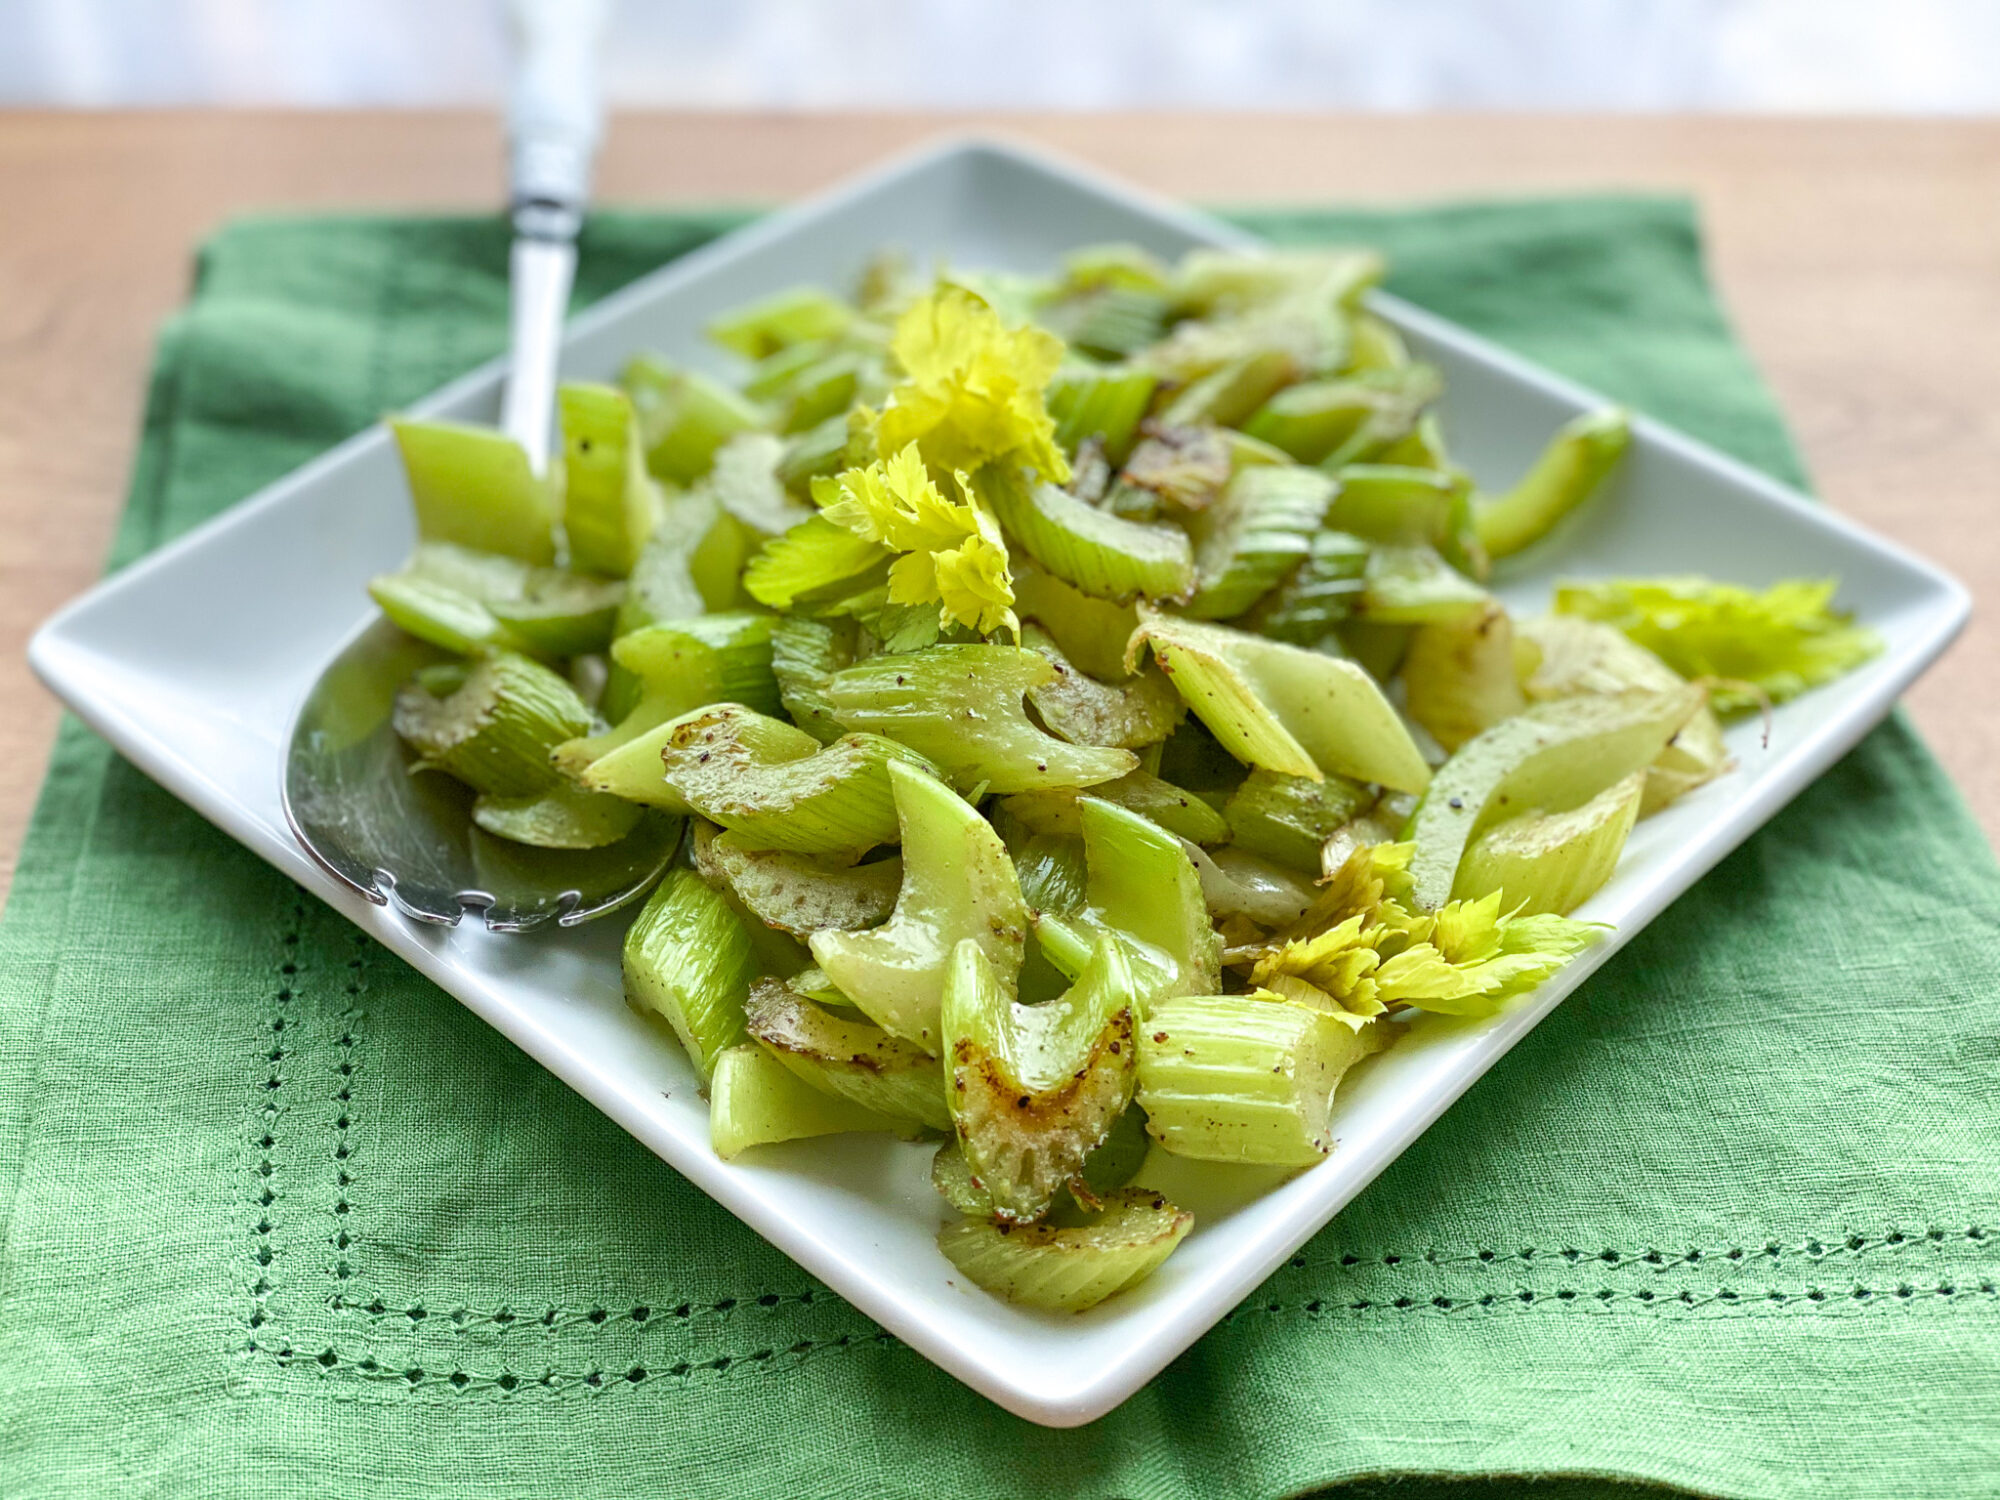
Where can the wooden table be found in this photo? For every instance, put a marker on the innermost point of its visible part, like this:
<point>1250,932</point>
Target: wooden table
<point>1861,261</point>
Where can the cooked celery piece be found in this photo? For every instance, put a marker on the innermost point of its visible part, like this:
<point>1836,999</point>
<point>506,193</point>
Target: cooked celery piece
<point>1552,862</point>
<point>610,502</point>
<point>1377,345</point>
<point>1107,321</point>
<point>443,616</point>
<point>1373,645</point>
<point>1356,414</point>
<point>496,730</point>
<point>839,1053</point>
<point>684,416</point>
<point>471,601</point>
<point>745,482</point>
<point>1087,548</point>
<point>1142,890</point>
<point>1568,473</point>
<point>1052,872</point>
<point>804,656</point>
<point>1289,818</point>
<point>1763,646</point>
<point>1142,709</point>
<point>563,623</point>
<point>1553,756</point>
<point>1090,632</point>
<point>958,884</point>
<point>1069,1269</point>
<point>1227,396</point>
<point>1321,593</point>
<point>1184,466</point>
<point>560,817</point>
<point>779,321</point>
<point>1391,504</point>
<point>1259,529</point>
<point>1694,756</point>
<point>472,485</point>
<point>1211,282</point>
<point>1034,1089</point>
<point>826,388</point>
<point>1284,709</point>
<point>1237,883</point>
<point>1107,404</point>
<point>1111,1166</point>
<point>688,958</point>
<point>689,565</point>
<point>755,1100</point>
<point>1244,1078</point>
<point>818,452</point>
<point>815,563</point>
<point>771,381</point>
<point>1179,812</point>
<point>961,707</point>
<point>1460,675</point>
<point>798,894</point>
<point>1412,585</point>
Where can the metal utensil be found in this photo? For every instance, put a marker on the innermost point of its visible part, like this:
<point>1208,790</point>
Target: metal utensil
<point>408,840</point>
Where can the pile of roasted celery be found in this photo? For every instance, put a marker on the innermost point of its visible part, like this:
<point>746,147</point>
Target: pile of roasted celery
<point>1091,730</point>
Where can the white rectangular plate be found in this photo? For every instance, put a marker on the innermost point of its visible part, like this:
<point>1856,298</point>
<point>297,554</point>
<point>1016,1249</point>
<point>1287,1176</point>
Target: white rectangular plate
<point>192,662</point>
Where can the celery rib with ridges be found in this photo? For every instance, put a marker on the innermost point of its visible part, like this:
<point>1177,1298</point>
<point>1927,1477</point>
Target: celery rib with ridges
<point>1258,530</point>
<point>848,1057</point>
<point>1069,1269</point>
<point>688,959</point>
<point>610,503</point>
<point>795,892</point>
<point>496,730</point>
<point>473,486</point>
<point>1087,548</point>
<point>755,1100</point>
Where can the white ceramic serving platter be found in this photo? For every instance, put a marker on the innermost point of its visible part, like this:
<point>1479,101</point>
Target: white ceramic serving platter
<point>192,662</point>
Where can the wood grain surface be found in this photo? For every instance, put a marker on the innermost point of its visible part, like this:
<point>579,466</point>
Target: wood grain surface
<point>1859,259</point>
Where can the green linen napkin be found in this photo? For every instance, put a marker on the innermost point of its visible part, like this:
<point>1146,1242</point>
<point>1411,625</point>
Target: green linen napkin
<point>281,1218</point>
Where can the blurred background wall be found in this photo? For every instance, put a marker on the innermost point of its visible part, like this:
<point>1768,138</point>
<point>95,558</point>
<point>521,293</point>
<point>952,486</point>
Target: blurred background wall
<point>1924,56</point>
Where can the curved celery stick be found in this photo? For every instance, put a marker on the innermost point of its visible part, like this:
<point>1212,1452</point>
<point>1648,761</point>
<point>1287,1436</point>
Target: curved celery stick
<point>1090,632</point>
<point>804,655</point>
<point>1228,395</point>
<point>495,731</point>
<point>1285,709</point>
<point>1289,818</point>
<point>1142,887</point>
<point>1553,756</point>
<point>610,502</point>
<point>442,615</point>
<point>1413,585</point>
<point>1567,474</point>
<point>1090,549</point>
<point>1260,528</point>
<point>1551,862</point>
<point>1243,1078</point>
<point>1460,676</point>
<point>470,601</point>
<point>1140,710</point>
<point>1069,1269</point>
<point>797,894</point>
<point>1179,812</point>
<point>688,958</point>
<point>798,314</point>
<point>1377,345</point>
<point>1394,505</point>
<point>1107,321</point>
<point>1210,282</point>
<point>958,884</point>
<point>561,817</point>
<point>961,707</point>
<point>1034,1089</point>
<point>684,416</point>
<point>1114,1163</point>
<point>754,1100</point>
<point>1105,404</point>
<point>1235,882</point>
<point>690,565</point>
<point>472,485</point>
<point>745,483</point>
<point>816,562</point>
<point>1052,874</point>
<point>842,1054</point>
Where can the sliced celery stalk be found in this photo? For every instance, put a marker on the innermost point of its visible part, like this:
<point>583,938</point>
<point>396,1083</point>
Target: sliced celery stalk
<point>823,389</point>
<point>1142,890</point>
<point>1052,872</point>
<point>1395,505</point>
<point>1235,882</point>
<point>684,416</point>
<point>839,1053</point>
<point>1105,404</point>
<point>1552,862</point>
<point>1460,676</point>
<point>1108,321</point>
<point>472,485</point>
<point>495,732</point>
<point>1228,395</point>
<point>1260,528</point>
<point>1069,1269</point>
<point>771,381</point>
<point>958,883</point>
<point>770,324</point>
<point>1695,755</point>
<point>961,707</point>
<point>1140,710</point>
<point>610,502</point>
<point>815,563</point>
<point>804,656</point>
<point>1554,756</point>
<point>1244,1079</point>
<point>795,893</point>
<point>1356,415</point>
<point>1375,646</point>
<point>561,817</point>
<point>1211,282</point>
<point>689,959</point>
<point>1289,818</point>
<point>1179,812</point>
<point>470,601</point>
<point>755,1100</point>
<point>1377,345</point>
<point>1568,473</point>
<point>1089,549</point>
<point>745,482</point>
<point>1413,585</point>
<point>442,615</point>
<point>818,452</point>
<point>1034,1089</point>
<point>1090,632</point>
<point>1285,709</point>
<point>1184,466</point>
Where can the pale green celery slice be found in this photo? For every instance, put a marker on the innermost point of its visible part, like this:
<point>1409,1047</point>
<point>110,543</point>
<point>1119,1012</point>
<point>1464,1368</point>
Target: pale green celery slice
<point>745,483</point>
<point>1117,263</point>
<point>1460,676</point>
<point>688,958</point>
<point>468,601</point>
<point>496,730</point>
<point>1422,447</point>
<point>1090,632</point>
<point>1284,709</point>
<point>1551,862</point>
<point>814,985</point>
<point>1259,529</point>
<point>1243,1078</point>
<point>817,452</point>
<point>1228,395</point>
<point>690,565</point>
<point>684,416</point>
<point>804,656</point>
<point>1087,548</point>
<point>1184,466</point>
<point>1376,345</point>
<point>1320,594</point>
<point>1695,755</point>
<point>1107,321</point>
<point>1235,882</point>
<point>562,816</point>
<point>1068,1269</point>
<point>1394,505</point>
<point>1107,404</point>
<point>473,486</point>
<point>1247,452</point>
<point>610,502</point>
<point>1052,874</point>
<point>1034,1089</point>
<point>1289,818</point>
<point>1361,413</point>
<point>442,615</point>
<point>1210,282</point>
<point>1568,473</point>
<point>755,1100</point>
<point>1413,585</point>
<point>1408,391</point>
<point>958,884</point>
<point>1552,756</point>
<point>795,893</point>
<point>1192,757</point>
<point>825,388</point>
<point>961,707</point>
<point>1140,710</point>
<point>815,563</point>
<point>844,1055</point>
<point>1179,812</point>
<point>1376,646</point>
<point>764,327</point>
<point>771,380</point>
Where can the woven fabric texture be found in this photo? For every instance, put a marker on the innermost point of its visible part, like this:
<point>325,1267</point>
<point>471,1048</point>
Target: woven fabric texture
<point>279,1217</point>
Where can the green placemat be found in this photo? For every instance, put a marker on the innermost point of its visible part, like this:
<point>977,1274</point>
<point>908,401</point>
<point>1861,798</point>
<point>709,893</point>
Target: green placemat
<point>282,1218</point>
